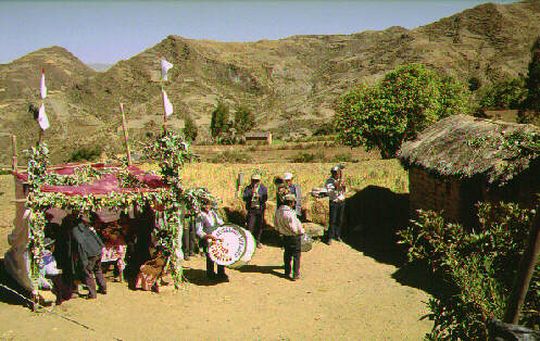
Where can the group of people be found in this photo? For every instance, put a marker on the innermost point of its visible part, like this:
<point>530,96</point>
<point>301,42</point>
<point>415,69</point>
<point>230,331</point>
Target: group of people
<point>83,245</point>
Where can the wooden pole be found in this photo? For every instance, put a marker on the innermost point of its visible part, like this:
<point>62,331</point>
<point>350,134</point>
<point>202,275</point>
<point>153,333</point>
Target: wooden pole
<point>126,136</point>
<point>14,151</point>
<point>525,273</point>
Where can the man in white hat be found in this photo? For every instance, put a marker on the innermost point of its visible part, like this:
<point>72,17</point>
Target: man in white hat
<point>287,224</point>
<point>336,195</point>
<point>295,190</point>
<point>255,196</point>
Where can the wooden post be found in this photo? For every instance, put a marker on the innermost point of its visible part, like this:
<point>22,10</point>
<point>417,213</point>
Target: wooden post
<point>239,182</point>
<point>164,112</point>
<point>126,136</point>
<point>40,138</point>
<point>14,151</point>
<point>525,272</point>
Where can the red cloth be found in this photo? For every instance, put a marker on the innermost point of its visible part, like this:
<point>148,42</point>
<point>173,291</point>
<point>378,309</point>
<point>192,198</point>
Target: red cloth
<point>107,184</point>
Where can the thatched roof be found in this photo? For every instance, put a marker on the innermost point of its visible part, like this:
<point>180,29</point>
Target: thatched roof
<point>464,146</point>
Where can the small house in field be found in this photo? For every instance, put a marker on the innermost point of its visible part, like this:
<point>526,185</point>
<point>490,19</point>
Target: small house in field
<point>259,138</point>
<point>462,160</point>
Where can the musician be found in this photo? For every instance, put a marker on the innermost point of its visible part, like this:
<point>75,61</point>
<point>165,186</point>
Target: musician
<point>336,194</point>
<point>255,196</point>
<point>207,221</point>
<point>289,226</point>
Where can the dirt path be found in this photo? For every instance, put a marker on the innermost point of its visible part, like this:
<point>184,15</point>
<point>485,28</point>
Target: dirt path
<point>343,295</point>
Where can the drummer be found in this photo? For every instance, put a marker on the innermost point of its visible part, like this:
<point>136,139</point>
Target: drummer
<point>207,221</point>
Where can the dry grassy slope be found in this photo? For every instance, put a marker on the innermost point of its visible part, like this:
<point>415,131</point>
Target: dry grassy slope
<point>291,83</point>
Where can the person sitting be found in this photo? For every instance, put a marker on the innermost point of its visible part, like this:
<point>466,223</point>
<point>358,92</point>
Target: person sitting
<point>289,226</point>
<point>207,221</point>
<point>114,249</point>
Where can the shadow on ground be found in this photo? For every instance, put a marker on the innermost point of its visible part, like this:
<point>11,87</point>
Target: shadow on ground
<point>373,216</point>
<point>275,270</point>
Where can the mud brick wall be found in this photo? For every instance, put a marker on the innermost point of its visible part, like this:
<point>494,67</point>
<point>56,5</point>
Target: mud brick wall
<point>431,193</point>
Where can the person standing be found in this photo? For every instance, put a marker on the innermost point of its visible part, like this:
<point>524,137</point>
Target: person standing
<point>296,191</point>
<point>88,249</point>
<point>207,221</point>
<point>336,195</point>
<point>255,196</point>
<point>289,226</point>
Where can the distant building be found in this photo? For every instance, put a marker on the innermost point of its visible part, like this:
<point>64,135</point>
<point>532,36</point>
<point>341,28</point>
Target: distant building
<point>259,138</point>
<point>462,160</point>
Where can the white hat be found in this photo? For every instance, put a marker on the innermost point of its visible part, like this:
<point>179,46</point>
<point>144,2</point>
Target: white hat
<point>335,169</point>
<point>287,176</point>
<point>256,177</point>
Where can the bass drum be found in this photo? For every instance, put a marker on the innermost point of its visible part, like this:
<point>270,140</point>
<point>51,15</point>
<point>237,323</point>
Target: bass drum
<point>234,248</point>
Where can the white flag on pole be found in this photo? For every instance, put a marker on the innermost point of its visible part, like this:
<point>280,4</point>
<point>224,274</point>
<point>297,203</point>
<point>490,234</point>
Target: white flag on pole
<point>42,86</point>
<point>167,104</point>
<point>165,67</point>
<point>42,119</point>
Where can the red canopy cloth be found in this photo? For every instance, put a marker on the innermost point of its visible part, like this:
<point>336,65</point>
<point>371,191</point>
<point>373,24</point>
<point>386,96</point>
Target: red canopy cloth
<point>108,183</point>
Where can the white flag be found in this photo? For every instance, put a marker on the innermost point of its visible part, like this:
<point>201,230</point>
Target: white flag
<point>42,119</point>
<point>165,66</point>
<point>167,104</point>
<point>42,86</point>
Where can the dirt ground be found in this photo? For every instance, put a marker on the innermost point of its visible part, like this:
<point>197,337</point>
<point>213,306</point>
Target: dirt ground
<point>343,294</point>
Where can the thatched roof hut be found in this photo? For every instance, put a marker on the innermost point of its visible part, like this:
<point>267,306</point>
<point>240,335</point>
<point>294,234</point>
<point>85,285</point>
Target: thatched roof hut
<point>461,160</point>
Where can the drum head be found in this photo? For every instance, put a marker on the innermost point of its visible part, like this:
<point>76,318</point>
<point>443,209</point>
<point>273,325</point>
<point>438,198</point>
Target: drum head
<point>234,247</point>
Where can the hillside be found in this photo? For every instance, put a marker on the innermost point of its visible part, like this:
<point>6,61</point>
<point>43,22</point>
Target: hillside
<point>291,84</point>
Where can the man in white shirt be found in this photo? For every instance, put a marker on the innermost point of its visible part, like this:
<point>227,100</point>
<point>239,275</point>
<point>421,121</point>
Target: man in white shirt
<point>206,223</point>
<point>336,195</point>
<point>287,224</point>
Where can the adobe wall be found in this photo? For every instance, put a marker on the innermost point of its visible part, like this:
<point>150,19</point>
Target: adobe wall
<point>431,193</point>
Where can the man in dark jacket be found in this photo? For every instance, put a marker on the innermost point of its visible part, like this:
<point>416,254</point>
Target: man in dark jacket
<point>255,196</point>
<point>87,247</point>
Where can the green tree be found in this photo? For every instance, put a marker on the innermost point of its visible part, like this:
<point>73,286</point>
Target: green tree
<point>530,110</point>
<point>190,129</point>
<point>244,119</point>
<point>220,119</point>
<point>406,101</point>
<point>505,94</point>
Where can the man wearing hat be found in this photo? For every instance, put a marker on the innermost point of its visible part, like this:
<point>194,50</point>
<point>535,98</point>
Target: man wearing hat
<point>296,191</point>
<point>289,226</point>
<point>336,195</point>
<point>255,196</point>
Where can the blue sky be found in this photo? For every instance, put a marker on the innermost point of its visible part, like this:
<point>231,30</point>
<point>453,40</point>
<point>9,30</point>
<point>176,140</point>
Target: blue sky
<point>107,31</point>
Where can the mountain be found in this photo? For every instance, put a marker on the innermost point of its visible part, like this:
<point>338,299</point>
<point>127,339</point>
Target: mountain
<point>291,84</point>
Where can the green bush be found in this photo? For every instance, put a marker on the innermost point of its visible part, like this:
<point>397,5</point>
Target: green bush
<point>343,157</point>
<point>506,94</point>
<point>231,157</point>
<point>85,153</point>
<point>478,264</point>
<point>305,157</point>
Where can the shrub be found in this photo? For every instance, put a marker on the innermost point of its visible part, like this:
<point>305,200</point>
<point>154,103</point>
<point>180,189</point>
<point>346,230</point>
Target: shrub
<point>305,157</point>
<point>479,265</point>
<point>85,153</point>
<point>231,157</point>
<point>343,157</point>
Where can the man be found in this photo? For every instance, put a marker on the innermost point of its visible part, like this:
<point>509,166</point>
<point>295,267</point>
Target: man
<point>88,248</point>
<point>296,190</point>
<point>336,195</point>
<point>206,223</point>
<point>255,196</point>
<point>289,226</point>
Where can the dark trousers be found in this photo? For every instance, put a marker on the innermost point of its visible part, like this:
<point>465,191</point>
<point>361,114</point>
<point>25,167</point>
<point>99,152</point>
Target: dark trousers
<point>255,222</point>
<point>94,268</point>
<point>210,272</point>
<point>190,245</point>
<point>336,217</point>
<point>292,245</point>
